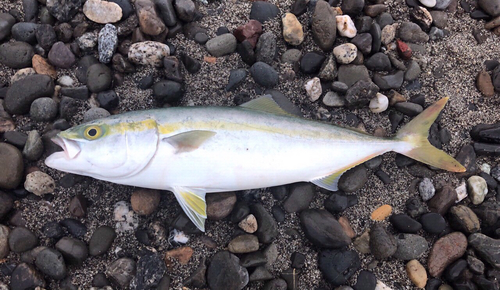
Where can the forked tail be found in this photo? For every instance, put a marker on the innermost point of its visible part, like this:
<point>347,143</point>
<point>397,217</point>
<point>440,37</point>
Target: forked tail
<point>415,135</point>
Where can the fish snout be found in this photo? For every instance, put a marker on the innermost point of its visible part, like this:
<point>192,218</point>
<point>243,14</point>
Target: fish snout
<point>70,147</point>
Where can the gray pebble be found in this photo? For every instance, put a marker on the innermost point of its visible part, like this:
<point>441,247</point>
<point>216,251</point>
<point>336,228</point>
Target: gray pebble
<point>264,74</point>
<point>33,149</point>
<point>21,239</point>
<point>426,189</point>
<point>6,23</point>
<point>221,45</point>
<point>16,54</point>
<point>43,109</point>
<point>51,263</point>
<point>265,50</point>
<point>410,246</point>
<point>99,78</point>
<point>108,42</point>
<point>122,271</point>
<point>94,114</point>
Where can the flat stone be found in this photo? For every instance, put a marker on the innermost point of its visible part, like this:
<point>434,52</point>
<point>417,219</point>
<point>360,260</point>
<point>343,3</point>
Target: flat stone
<point>322,229</point>
<point>292,29</point>
<point>225,272</point>
<point>323,25</point>
<point>443,200</point>
<point>25,276</point>
<point>101,240</point>
<point>445,251</point>
<point>102,11</point>
<point>51,263</point>
<point>122,271</point>
<point>416,273</point>
<point>220,205</point>
<point>462,218</point>
<point>350,74</point>
<point>263,11</point>
<point>382,245</point>
<point>39,183</point>
<point>221,45</point>
<point>243,244</point>
<point>411,32</point>
<point>338,266</point>
<point>62,10</point>
<point>149,20</point>
<point>12,172</point>
<point>487,248</point>
<point>410,246</point>
<point>148,53</point>
<point>16,54</point>
<point>22,239</point>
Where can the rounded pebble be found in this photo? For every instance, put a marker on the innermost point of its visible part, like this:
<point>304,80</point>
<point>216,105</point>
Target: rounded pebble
<point>101,240</point>
<point>39,183</point>
<point>381,213</point>
<point>417,274</point>
<point>477,189</point>
<point>145,201</point>
<point>22,239</point>
<point>379,104</point>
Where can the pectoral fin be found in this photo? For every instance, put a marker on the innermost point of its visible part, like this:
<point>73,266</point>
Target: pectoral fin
<point>188,141</point>
<point>193,203</point>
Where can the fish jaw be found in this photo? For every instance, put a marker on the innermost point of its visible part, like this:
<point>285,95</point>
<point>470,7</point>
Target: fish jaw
<point>66,160</point>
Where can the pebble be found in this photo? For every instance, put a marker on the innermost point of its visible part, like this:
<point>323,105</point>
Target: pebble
<point>263,11</point>
<point>221,45</point>
<point>24,32</point>
<point>278,213</point>
<point>99,78</point>
<point>243,244</point>
<point>266,48</point>
<point>292,30</point>
<point>236,78</point>
<point>186,10</point>
<point>299,197</point>
<point>411,32</point>
<point>74,227</point>
<point>445,251</point>
<point>107,43</point>
<point>25,276</point>
<point>150,270</point>
<point>363,42</point>
<point>253,259</point>
<point>63,11</point>
<point>52,230</point>
<point>42,66</point>
<point>16,54</point>
<point>172,69</point>
<point>382,245</point>
<point>6,204</point>
<point>491,7</point>
<point>263,74</point>
<point>443,200</point>
<point>332,99</point>
<point>220,205</point>
<point>379,104</point>
<point>168,91</point>
<point>39,183</point>
<point>291,56</point>
<point>22,239</point>
<point>346,227</point>
<point>417,274</point>
<point>94,114</point>
<point>225,272</point>
<point>145,201</point>
<point>404,223</point>
<point>6,23</point>
<point>413,71</point>
<point>322,229</point>
<point>43,109</point>
<point>313,89</point>
<point>428,3</point>
<point>51,263</point>
<point>354,179</point>
<point>182,255</point>
<point>486,248</point>
<point>11,173</point>
<point>381,213</point>
<point>376,33</point>
<point>324,26</point>
<point>150,53</point>
<point>365,280</point>
<point>249,31</point>
<point>312,62</point>
<point>345,26</point>
<point>126,220</point>
<point>107,100</point>
<point>121,271</point>
<point>45,36</point>
<point>198,277</point>
<point>345,53</point>
<point>389,81</point>
<point>268,229</point>
<point>338,266</point>
<point>410,246</point>
<point>87,41</point>
<point>15,138</point>
<point>426,189</point>
<point>78,206</point>
<point>249,224</point>
<point>354,7</point>
<point>350,74</point>
<point>4,241</point>
<point>101,240</point>
<point>192,65</point>
<point>388,34</point>
<point>477,189</point>
<point>102,12</point>
<point>433,223</point>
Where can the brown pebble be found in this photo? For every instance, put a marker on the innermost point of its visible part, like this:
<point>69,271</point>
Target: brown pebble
<point>145,201</point>
<point>443,200</point>
<point>249,224</point>
<point>43,67</point>
<point>220,204</point>
<point>78,206</point>
<point>362,243</point>
<point>484,84</point>
<point>445,251</point>
<point>416,273</point>
<point>395,97</point>
<point>381,213</point>
<point>6,125</point>
<point>210,59</point>
<point>492,23</point>
<point>181,255</point>
<point>346,226</point>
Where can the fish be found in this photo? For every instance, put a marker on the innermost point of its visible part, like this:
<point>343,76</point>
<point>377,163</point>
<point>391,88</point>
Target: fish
<point>192,151</point>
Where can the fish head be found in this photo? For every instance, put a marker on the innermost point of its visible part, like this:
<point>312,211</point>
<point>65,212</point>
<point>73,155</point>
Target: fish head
<point>106,149</point>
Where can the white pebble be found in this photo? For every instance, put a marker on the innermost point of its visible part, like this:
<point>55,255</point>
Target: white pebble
<point>346,26</point>
<point>461,192</point>
<point>477,189</point>
<point>332,99</point>
<point>148,53</point>
<point>428,3</point>
<point>381,286</point>
<point>65,81</point>
<point>125,218</point>
<point>345,53</point>
<point>249,224</point>
<point>379,103</point>
<point>21,74</point>
<point>39,183</point>
<point>485,167</point>
<point>313,89</point>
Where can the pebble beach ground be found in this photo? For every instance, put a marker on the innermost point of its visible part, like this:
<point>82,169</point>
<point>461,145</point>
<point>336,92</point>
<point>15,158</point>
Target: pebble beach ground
<point>48,221</point>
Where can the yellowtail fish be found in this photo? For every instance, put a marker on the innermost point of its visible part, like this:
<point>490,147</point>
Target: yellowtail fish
<point>194,150</point>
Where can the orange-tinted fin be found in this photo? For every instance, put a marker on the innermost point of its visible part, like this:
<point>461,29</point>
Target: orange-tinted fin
<point>189,141</point>
<point>415,134</point>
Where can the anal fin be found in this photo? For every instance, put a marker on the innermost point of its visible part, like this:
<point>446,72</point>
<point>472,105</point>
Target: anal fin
<point>329,182</point>
<point>193,203</point>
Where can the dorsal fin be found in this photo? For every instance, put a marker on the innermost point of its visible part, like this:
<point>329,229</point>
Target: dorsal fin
<point>266,104</point>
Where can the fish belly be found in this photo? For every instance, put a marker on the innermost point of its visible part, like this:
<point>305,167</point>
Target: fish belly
<point>238,160</point>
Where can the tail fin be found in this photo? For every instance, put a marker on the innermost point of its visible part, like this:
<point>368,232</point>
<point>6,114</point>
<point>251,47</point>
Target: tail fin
<point>415,134</point>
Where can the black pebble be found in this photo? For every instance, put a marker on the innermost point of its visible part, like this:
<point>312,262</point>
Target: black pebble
<point>384,177</point>
<point>52,230</point>
<point>366,281</point>
<point>311,62</point>
<point>74,227</point>
<point>222,30</point>
<point>201,38</point>
<point>146,82</point>
<point>142,236</point>
<point>298,260</point>
<point>454,271</point>
<point>433,223</point>
<point>433,284</point>
<point>108,99</point>
<point>404,223</point>
<point>278,213</point>
<point>100,280</point>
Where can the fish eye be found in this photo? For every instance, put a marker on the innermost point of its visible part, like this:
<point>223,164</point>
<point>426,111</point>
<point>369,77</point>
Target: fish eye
<point>92,132</point>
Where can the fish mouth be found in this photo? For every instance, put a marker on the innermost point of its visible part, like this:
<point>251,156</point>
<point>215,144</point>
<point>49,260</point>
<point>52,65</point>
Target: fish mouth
<point>70,147</point>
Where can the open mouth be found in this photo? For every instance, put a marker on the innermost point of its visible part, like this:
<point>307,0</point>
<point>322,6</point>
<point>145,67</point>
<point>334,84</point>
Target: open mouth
<point>70,147</point>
